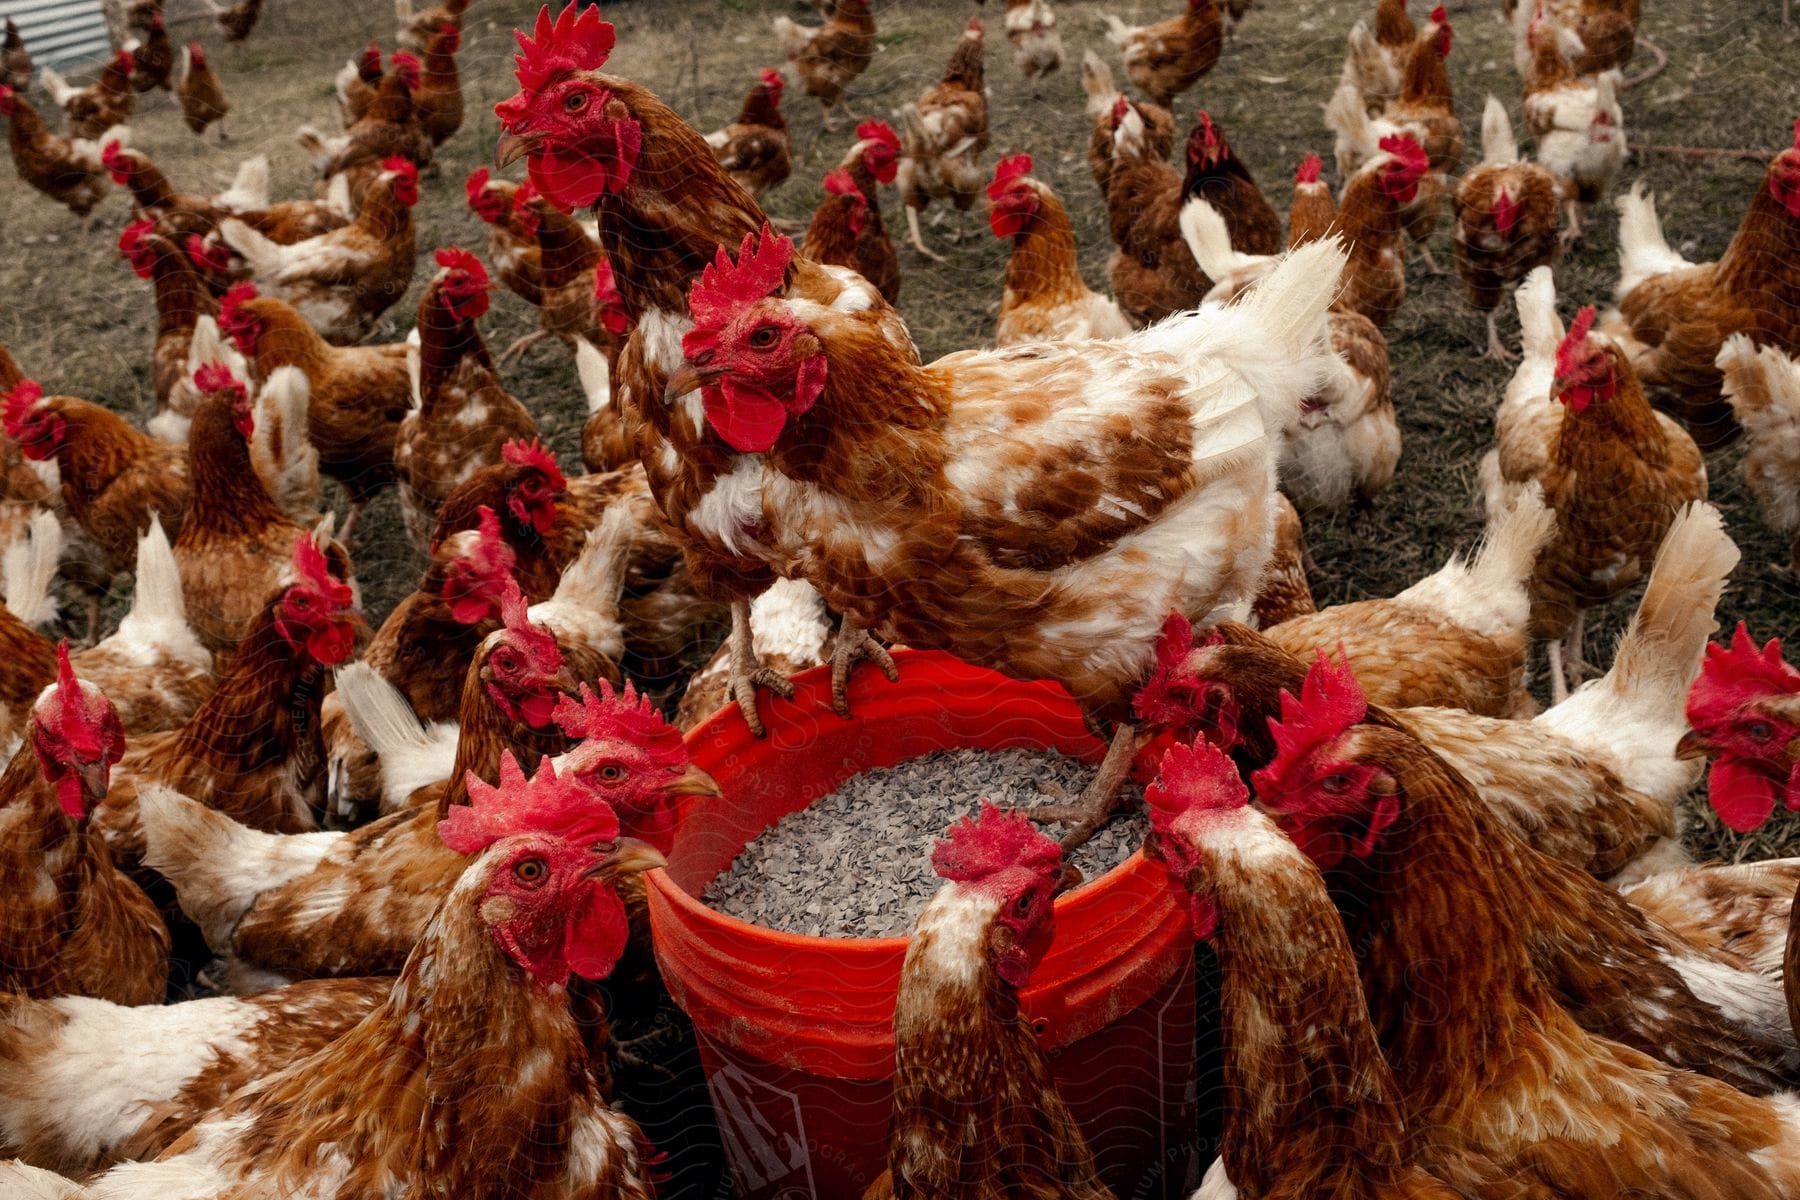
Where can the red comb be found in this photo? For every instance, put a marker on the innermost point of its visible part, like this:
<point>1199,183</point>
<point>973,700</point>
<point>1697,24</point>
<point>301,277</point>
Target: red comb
<point>455,258</point>
<point>407,67</point>
<point>1440,15</point>
<point>1016,166</point>
<point>217,377</point>
<point>545,803</point>
<point>578,40</point>
<point>973,849</point>
<point>131,245</point>
<point>1331,701</point>
<point>471,580</point>
<point>881,131</point>
<point>238,293</point>
<point>1208,131</point>
<point>314,570</point>
<point>477,184</point>
<point>1732,676</point>
<point>112,157</point>
<point>197,53</point>
<point>1309,169</point>
<point>79,717</point>
<point>125,61</point>
<point>1196,778</point>
<point>215,257</point>
<point>521,453</point>
<point>626,716</point>
<point>523,194</point>
<point>839,183</point>
<point>1568,354</point>
<point>772,79</point>
<point>449,39</point>
<point>19,403</point>
<point>515,614</point>
<point>1406,148</point>
<point>370,64</point>
<point>760,270</point>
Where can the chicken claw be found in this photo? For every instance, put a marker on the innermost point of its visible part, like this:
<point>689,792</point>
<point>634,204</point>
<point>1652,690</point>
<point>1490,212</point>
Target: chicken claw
<point>1100,799</point>
<point>747,673</point>
<point>1496,349</point>
<point>851,645</point>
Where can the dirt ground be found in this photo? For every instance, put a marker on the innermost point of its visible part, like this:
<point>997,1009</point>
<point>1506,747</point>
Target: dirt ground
<point>74,315</point>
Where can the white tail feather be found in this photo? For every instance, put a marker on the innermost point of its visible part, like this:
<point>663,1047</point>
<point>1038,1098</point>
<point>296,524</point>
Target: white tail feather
<point>1097,82</point>
<point>1209,241</point>
<point>249,188</point>
<point>56,85</point>
<point>1498,145</point>
<point>1117,31</point>
<point>1541,330</point>
<point>1643,250</point>
<point>29,567</point>
<point>337,194</point>
<point>1659,656</point>
<point>157,625</point>
<point>412,755</point>
<point>1488,594</point>
<point>592,371</point>
<point>281,446</point>
<point>265,257</point>
<point>415,369</point>
<point>585,607</point>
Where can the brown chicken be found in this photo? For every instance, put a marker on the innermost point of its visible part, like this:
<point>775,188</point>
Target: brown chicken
<point>235,541</point>
<point>1166,59</point>
<point>1613,469</point>
<point>390,129</point>
<point>1673,316</point>
<point>1603,33</point>
<point>568,259</point>
<point>1507,221</point>
<point>360,394</point>
<point>966,1068</point>
<point>945,131</point>
<point>1370,219</point>
<point>69,172</point>
<point>342,281</point>
<point>74,924</point>
<point>253,749</point>
<point>1762,385</point>
<point>177,214</point>
<point>236,20</point>
<point>1455,639</point>
<point>1154,273</point>
<point>202,96</point>
<point>290,221</point>
<point>153,57</point>
<point>439,98</point>
<point>1576,121</point>
<point>846,229</point>
<point>1442,903</point>
<point>416,28</point>
<point>357,82</point>
<point>1316,1110</point>
<point>1106,106</point>
<point>1045,299</point>
<point>16,67</point>
<point>464,414</point>
<point>181,300</point>
<point>829,58</point>
<point>94,109</point>
<point>113,476</point>
<point>512,234</point>
<point>754,147</point>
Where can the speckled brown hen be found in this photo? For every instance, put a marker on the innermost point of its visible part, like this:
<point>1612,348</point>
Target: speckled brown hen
<point>1169,57</point>
<point>846,229</point>
<point>754,147</point>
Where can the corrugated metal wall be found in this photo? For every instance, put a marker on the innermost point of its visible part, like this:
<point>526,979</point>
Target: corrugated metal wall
<point>60,33</point>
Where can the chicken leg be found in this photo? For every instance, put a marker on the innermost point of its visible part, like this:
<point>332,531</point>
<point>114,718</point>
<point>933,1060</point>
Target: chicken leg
<point>522,344</point>
<point>747,672</point>
<point>851,645</point>
<point>912,235</point>
<point>1496,349</point>
<point>1567,666</point>
<point>1101,798</point>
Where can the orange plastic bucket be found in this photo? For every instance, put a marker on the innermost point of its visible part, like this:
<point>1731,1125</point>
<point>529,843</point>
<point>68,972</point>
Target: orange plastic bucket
<point>796,1033</point>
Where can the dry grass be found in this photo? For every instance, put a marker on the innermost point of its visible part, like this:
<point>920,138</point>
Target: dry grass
<point>79,319</point>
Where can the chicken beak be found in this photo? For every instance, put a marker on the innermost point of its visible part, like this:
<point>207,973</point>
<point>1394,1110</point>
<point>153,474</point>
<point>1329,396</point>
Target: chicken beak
<point>1693,744</point>
<point>694,782</point>
<point>513,146</point>
<point>95,778</point>
<point>628,856</point>
<point>564,681</point>
<point>689,378</point>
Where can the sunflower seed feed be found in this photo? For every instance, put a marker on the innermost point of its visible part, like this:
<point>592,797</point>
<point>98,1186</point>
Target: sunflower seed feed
<point>857,862</point>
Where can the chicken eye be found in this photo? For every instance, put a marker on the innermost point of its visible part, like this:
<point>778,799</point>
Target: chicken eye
<point>1337,785</point>
<point>506,662</point>
<point>612,772</point>
<point>531,872</point>
<point>1022,906</point>
<point>764,336</point>
<point>575,101</point>
<point>1759,731</point>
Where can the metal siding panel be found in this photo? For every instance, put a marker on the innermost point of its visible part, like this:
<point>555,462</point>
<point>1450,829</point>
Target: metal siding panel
<point>60,33</point>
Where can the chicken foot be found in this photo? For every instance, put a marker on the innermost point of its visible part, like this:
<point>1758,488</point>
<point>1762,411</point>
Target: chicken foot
<point>1101,798</point>
<point>747,672</point>
<point>849,646</point>
<point>1567,666</point>
<point>912,235</point>
<point>521,345</point>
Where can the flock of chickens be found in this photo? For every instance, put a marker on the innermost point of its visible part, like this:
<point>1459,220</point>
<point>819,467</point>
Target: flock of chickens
<point>1463,951</point>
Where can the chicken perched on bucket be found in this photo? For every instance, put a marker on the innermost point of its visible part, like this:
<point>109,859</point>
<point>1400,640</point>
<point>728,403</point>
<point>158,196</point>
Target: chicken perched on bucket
<point>996,1116</point>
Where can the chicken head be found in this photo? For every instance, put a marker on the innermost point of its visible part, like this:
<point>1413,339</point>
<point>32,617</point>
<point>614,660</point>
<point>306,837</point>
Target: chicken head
<point>1002,858</point>
<point>1744,709</point>
<point>77,736</point>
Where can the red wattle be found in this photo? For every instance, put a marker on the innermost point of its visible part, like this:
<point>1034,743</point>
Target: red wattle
<point>1742,794</point>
